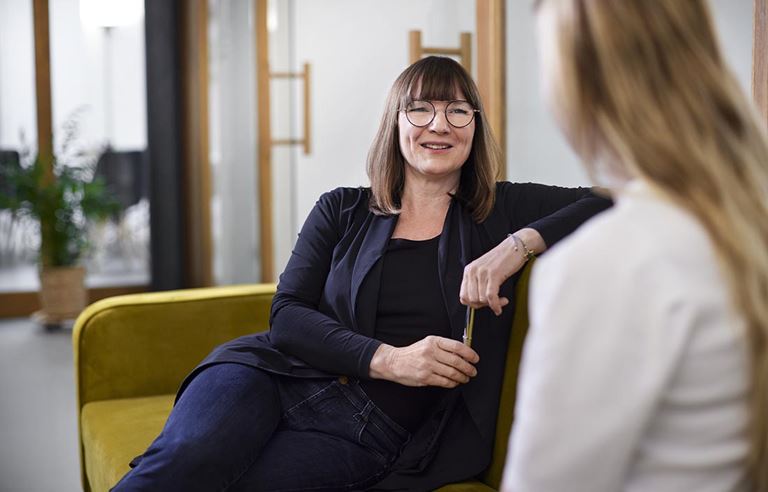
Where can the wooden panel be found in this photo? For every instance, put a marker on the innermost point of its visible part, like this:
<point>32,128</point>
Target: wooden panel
<point>465,51</point>
<point>195,141</point>
<point>491,68</point>
<point>19,304</point>
<point>416,49</point>
<point>760,57</point>
<point>414,46</point>
<point>43,82</point>
<point>264,139</point>
<point>203,149</point>
<point>306,79</point>
<point>307,109</point>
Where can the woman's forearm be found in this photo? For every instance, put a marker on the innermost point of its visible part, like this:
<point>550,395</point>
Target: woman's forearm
<point>321,341</point>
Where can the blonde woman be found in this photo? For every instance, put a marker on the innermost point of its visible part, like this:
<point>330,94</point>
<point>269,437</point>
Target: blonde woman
<point>646,365</point>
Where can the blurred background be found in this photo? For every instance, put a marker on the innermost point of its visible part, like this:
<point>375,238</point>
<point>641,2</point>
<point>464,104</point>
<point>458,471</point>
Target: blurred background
<point>232,196</point>
<point>214,126</point>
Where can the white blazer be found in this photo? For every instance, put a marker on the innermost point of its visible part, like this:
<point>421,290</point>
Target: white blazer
<point>634,374</point>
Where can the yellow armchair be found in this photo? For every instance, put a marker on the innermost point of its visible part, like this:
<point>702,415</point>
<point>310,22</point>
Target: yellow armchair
<point>132,352</point>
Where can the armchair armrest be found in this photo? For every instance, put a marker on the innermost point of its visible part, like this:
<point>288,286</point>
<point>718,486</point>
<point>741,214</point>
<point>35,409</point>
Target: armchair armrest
<point>144,344</point>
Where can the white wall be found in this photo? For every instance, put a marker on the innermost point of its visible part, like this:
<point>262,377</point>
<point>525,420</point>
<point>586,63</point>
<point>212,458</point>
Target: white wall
<point>733,21</point>
<point>17,74</point>
<point>536,150</point>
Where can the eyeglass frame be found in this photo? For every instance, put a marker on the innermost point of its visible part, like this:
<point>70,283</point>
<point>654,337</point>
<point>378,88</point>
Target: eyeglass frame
<point>434,112</point>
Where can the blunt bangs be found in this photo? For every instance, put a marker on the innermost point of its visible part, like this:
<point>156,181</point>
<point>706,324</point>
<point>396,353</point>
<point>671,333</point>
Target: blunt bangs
<point>434,80</point>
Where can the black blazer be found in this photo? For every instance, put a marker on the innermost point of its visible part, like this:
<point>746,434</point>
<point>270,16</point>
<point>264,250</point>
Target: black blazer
<point>324,313</point>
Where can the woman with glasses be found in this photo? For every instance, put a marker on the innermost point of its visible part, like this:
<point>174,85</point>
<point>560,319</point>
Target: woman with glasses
<point>655,377</point>
<point>363,380</point>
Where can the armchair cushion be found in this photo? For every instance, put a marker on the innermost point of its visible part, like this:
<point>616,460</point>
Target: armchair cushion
<point>116,431</point>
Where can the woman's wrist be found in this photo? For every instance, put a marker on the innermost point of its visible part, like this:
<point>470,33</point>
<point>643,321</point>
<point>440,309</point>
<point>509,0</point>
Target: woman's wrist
<point>381,362</point>
<point>527,242</point>
<point>521,248</point>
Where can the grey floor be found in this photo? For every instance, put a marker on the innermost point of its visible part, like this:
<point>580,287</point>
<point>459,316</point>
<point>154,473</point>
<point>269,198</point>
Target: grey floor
<point>38,427</point>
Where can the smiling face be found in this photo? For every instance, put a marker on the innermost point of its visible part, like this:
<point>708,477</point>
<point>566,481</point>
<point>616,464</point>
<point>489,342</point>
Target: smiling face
<point>437,150</point>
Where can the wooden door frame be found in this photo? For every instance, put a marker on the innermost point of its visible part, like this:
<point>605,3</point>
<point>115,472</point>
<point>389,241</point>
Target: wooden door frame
<point>40,20</point>
<point>194,68</point>
<point>492,67</point>
<point>264,143</point>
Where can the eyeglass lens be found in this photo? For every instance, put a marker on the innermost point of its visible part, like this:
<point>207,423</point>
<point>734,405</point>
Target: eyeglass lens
<point>421,113</point>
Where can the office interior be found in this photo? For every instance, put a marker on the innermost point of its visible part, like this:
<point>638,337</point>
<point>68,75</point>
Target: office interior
<point>216,125</point>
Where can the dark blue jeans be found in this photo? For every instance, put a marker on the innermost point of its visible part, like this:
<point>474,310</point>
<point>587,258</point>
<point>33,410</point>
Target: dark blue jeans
<point>239,428</point>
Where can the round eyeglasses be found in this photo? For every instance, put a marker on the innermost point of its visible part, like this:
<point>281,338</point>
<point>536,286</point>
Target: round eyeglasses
<point>458,113</point>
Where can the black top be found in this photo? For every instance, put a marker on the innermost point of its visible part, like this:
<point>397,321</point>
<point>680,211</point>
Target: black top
<point>410,308</point>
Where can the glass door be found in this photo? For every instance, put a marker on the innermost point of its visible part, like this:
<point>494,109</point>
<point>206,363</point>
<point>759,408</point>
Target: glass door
<point>98,122</point>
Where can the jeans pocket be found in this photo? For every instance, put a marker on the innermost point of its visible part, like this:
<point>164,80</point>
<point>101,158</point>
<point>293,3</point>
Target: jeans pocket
<point>325,409</point>
<point>368,436</point>
<point>377,435</point>
<point>296,394</point>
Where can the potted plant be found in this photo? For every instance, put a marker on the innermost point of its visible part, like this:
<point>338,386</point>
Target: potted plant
<point>61,197</point>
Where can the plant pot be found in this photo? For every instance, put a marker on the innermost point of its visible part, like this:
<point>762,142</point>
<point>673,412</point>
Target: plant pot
<point>62,294</point>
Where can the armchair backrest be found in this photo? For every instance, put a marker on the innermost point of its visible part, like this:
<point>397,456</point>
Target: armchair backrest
<point>144,344</point>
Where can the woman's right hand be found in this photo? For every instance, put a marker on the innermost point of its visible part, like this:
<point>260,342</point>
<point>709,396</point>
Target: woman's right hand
<point>432,361</point>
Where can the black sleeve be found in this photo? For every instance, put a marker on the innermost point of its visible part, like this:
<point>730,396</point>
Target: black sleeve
<point>553,211</point>
<point>298,328</point>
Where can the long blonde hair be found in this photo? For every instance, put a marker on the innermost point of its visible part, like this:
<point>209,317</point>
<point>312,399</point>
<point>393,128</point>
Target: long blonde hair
<point>642,85</point>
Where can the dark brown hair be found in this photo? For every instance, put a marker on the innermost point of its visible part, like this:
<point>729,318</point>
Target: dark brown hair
<point>437,79</point>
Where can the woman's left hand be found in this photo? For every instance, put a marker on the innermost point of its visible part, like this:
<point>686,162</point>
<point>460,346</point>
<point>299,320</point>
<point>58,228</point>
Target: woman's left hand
<point>484,276</point>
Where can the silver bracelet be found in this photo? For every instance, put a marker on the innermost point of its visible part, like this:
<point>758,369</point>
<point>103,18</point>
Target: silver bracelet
<point>526,253</point>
